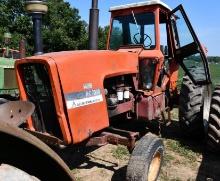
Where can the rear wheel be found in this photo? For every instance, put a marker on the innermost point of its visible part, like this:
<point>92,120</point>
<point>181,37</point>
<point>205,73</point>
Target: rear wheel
<point>213,137</point>
<point>191,108</point>
<point>146,159</point>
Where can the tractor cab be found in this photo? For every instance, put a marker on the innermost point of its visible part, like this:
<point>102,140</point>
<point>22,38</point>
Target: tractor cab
<point>136,25</point>
<point>163,39</point>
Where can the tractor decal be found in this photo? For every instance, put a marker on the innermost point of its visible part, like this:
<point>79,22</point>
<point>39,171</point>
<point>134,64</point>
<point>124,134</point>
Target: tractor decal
<point>74,100</point>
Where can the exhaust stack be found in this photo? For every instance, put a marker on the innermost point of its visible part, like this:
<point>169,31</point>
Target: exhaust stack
<point>93,26</point>
<point>36,8</point>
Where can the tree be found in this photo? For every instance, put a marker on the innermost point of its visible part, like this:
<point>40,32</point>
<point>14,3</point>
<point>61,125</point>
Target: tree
<point>62,29</point>
<point>102,37</point>
<point>13,19</point>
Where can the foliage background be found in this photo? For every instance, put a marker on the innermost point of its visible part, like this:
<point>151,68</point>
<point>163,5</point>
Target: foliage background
<point>63,28</point>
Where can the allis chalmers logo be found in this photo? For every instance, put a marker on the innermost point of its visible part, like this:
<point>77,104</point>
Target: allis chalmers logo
<point>79,99</point>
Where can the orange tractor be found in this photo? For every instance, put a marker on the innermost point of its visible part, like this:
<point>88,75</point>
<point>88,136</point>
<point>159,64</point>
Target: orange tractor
<point>81,97</point>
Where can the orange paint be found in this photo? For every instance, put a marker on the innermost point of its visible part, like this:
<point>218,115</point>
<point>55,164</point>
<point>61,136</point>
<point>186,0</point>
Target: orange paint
<point>74,73</point>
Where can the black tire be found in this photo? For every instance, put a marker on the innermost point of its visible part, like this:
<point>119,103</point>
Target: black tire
<point>191,109</point>
<point>213,137</point>
<point>146,159</point>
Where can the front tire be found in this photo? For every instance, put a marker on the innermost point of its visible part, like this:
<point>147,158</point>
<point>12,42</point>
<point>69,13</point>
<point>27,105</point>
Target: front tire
<point>146,159</point>
<point>213,137</point>
<point>191,108</point>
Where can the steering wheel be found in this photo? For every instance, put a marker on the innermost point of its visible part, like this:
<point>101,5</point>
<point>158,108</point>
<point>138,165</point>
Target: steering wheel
<point>145,38</point>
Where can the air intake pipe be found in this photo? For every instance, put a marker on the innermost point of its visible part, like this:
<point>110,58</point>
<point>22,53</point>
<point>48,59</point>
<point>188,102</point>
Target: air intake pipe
<point>36,8</point>
<point>93,26</point>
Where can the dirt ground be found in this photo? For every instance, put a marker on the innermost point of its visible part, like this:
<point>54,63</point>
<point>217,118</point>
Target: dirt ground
<point>184,160</point>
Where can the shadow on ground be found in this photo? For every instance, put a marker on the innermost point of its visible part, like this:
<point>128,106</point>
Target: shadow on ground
<point>78,158</point>
<point>209,169</point>
<point>119,174</point>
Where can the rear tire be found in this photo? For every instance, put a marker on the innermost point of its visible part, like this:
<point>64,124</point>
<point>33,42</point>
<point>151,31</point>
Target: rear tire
<point>191,108</point>
<point>213,137</point>
<point>146,159</point>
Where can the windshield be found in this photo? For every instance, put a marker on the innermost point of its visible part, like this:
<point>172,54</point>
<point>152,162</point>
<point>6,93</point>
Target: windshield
<point>133,29</point>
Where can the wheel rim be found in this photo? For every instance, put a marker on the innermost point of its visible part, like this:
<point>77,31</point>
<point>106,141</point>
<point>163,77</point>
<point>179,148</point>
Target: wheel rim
<point>154,167</point>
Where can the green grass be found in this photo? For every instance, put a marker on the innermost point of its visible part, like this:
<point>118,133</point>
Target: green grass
<point>168,158</point>
<point>184,151</point>
<point>215,73</point>
<point>121,152</point>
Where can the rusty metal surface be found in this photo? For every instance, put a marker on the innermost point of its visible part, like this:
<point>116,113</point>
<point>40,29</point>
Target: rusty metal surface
<point>121,108</point>
<point>97,141</point>
<point>150,107</point>
<point>22,49</point>
<point>48,139</point>
<point>16,112</point>
<point>115,136</point>
<point>19,134</point>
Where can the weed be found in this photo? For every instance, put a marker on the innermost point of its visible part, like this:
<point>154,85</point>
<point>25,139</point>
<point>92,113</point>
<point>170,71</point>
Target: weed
<point>175,179</point>
<point>182,150</point>
<point>167,159</point>
<point>75,171</point>
<point>164,176</point>
<point>121,152</point>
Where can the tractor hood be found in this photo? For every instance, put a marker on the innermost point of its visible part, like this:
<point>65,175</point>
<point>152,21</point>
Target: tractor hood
<point>78,68</point>
<point>76,79</point>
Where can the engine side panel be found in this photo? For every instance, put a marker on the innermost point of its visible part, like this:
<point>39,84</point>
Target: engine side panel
<point>78,89</point>
<point>82,77</point>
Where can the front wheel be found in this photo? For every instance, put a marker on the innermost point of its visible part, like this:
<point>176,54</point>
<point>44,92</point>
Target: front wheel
<point>146,159</point>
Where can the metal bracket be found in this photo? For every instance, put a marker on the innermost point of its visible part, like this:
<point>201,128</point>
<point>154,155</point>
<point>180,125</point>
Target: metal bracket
<point>115,136</point>
<point>16,113</point>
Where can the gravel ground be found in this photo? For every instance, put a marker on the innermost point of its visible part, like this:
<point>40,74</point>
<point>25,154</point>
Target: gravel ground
<point>185,160</point>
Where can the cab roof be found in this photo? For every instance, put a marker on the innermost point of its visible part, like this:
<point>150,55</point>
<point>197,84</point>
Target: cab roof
<point>139,4</point>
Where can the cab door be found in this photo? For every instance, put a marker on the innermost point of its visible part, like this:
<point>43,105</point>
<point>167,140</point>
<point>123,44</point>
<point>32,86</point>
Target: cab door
<point>187,49</point>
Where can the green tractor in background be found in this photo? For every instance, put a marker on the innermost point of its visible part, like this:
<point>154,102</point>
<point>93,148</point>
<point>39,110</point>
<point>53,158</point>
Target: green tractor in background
<point>8,83</point>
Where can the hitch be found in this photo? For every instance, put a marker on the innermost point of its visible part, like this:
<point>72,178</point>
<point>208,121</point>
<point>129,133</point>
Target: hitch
<point>115,137</point>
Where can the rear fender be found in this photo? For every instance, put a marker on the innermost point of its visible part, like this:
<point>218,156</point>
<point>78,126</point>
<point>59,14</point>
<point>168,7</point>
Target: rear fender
<point>26,152</point>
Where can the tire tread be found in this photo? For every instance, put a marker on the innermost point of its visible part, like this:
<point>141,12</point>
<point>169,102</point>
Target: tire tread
<point>213,136</point>
<point>190,108</point>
